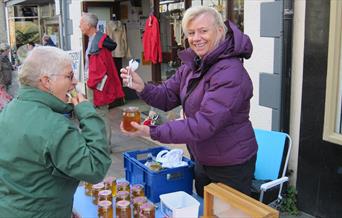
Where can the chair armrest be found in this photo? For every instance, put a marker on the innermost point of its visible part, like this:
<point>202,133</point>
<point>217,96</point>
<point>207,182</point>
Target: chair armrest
<point>273,183</point>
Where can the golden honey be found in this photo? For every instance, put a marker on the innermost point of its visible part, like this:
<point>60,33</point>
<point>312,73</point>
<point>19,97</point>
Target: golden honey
<point>122,195</point>
<point>95,191</point>
<point>123,209</point>
<point>147,210</point>
<point>87,187</point>
<point>137,202</point>
<point>105,209</point>
<point>122,186</point>
<point>105,195</point>
<point>110,184</point>
<point>137,190</point>
<point>130,114</point>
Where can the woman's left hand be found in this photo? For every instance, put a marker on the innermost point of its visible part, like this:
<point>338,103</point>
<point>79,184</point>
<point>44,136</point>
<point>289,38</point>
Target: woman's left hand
<point>141,130</point>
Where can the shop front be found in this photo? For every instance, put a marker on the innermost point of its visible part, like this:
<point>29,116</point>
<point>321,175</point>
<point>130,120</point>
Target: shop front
<point>28,22</point>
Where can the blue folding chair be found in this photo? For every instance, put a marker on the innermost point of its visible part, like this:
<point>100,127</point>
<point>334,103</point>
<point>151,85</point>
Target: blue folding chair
<point>272,160</point>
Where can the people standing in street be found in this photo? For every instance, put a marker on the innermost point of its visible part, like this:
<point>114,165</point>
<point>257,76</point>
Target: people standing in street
<point>47,41</point>
<point>103,82</point>
<point>214,90</point>
<point>44,155</point>
<point>6,67</point>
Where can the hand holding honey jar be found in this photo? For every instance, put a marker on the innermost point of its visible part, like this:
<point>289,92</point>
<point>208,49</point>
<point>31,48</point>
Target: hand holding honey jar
<point>130,124</point>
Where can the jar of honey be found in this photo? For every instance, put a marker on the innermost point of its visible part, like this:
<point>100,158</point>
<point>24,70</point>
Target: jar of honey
<point>105,209</point>
<point>87,188</point>
<point>137,202</point>
<point>105,195</point>
<point>122,195</point>
<point>123,209</point>
<point>122,186</point>
<point>137,190</point>
<point>147,210</point>
<point>130,114</point>
<point>95,191</point>
<point>110,184</point>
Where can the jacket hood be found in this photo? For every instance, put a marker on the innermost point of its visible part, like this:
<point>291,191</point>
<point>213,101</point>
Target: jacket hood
<point>33,94</point>
<point>101,40</point>
<point>236,44</point>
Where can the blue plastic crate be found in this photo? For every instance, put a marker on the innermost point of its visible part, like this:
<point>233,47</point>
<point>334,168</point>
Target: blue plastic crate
<point>157,183</point>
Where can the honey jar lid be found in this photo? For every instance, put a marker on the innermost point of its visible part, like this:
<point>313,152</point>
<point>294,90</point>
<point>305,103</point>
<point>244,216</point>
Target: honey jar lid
<point>123,204</point>
<point>147,207</point>
<point>110,179</point>
<point>123,183</point>
<point>137,187</point>
<point>105,192</point>
<point>98,186</point>
<point>105,204</point>
<point>139,200</point>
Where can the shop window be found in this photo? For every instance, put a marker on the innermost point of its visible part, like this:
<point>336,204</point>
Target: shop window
<point>28,24</point>
<point>333,106</point>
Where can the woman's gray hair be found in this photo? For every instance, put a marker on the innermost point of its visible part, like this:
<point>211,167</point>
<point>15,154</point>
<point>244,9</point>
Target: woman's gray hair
<point>196,11</point>
<point>43,61</point>
<point>90,19</point>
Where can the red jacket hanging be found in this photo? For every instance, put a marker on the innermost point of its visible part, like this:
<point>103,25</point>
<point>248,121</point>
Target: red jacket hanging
<point>151,40</point>
<point>101,64</point>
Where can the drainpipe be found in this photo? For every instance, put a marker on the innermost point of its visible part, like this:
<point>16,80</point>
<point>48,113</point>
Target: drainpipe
<point>287,56</point>
<point>65,22</point>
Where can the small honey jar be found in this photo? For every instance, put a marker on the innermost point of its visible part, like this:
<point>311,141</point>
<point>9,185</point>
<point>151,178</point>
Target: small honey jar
<point>123,209</point>
<point>122,186</point>
<point>130,114</point>
<point>122,195</point>
<point>110,184</point>
<point>105,209</point>
<point>105,195</point>
<point>137,190</point>
<point>87,188</point>
<point>137,202</point>
<point>95,191</point>
<point>147,210</point>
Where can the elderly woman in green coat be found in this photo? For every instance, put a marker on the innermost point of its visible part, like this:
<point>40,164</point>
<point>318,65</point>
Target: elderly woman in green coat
<point>43,154</point>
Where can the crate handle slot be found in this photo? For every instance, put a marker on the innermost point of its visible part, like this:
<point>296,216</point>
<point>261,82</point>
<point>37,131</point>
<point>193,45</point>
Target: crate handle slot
<point>174,176</point>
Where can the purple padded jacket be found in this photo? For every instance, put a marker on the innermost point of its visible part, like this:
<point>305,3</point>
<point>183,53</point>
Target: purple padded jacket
<point>217,128</point>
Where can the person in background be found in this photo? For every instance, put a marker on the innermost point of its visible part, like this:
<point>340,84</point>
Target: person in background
<point>103,82</point>
<point>30,46</point>
<point>215,91</point>
<point>43,155</point>
<point>6,67</point>
<point>47,41</point>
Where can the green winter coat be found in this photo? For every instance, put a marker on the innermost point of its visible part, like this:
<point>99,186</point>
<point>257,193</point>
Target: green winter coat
<point>44,155</point>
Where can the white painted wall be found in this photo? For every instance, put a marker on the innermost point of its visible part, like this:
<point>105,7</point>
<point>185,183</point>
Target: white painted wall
<point>296,83</point>
<point>261,61</point>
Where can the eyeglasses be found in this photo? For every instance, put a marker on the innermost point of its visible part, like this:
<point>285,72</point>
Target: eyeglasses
<point>69,76</point>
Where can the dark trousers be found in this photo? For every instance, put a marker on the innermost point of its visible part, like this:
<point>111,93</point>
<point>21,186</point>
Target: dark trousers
<point>238,176</point>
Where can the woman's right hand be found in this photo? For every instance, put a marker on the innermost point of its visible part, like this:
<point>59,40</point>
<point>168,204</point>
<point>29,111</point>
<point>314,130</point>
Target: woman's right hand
<point>78,99</point>
<point>137,82</point>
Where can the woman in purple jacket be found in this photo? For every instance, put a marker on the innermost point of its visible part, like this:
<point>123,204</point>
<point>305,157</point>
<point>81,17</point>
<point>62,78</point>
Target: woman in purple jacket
<point>215,91</point>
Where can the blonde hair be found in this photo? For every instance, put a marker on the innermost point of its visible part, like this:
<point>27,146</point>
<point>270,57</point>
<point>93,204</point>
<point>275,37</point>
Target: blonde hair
<point>196,11</point>
<point>43,60</point>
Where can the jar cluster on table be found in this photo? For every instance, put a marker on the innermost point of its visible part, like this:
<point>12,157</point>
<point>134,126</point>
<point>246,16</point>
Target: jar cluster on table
<point>127,199</point>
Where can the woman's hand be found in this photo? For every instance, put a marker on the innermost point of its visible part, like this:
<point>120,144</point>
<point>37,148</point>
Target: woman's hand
<point>141,130</point>
<point>75,100</point>
<point>137,82</point>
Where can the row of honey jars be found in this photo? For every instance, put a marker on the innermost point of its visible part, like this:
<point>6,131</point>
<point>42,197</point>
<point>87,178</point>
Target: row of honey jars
<point>141,208</point>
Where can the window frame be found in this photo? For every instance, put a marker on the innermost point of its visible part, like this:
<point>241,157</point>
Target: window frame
<point>333,74</point>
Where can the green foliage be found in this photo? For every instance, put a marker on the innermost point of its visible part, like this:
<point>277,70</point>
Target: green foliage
<point>289,202</point>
